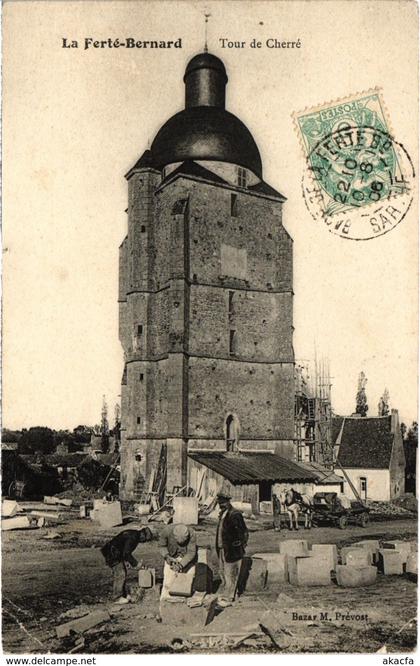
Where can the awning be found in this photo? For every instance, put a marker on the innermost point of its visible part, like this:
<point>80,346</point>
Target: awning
<point>243,467</point>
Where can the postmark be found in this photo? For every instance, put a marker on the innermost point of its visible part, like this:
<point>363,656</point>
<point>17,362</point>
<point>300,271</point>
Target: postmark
<point>358,180</point>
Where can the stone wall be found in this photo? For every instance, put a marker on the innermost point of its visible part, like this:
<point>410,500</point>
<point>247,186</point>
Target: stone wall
<point>205,323</point>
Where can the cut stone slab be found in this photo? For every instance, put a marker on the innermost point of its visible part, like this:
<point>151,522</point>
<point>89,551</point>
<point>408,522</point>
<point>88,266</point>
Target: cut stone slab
<point>9,508</point>
<point>182,615</point>
<point>403,547</point>
<point>48,515</point>
<point>348,576</point>
<point>243,507</point>
<point>57,500</point>
<point>292,568</point>
<point>325,551</point>
<point>108,514</point>
<point>411,566</point>
<point>16,523</point>
<point>311,571</point>
<point>253,576</point>
<point>276,566</point>
<point>357,557</point>
<point>391,562</point>
<point>182,584</point>
<point>294,547</point>
<point>83,623</point>
<point>372,545</point>
<point>185,510</point>
<point>147,578</point>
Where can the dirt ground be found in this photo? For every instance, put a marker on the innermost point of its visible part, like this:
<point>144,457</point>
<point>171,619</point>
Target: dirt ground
<point>48,582</point>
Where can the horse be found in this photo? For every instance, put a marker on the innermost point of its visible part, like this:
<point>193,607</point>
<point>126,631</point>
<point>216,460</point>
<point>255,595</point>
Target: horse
<point>295,503</point>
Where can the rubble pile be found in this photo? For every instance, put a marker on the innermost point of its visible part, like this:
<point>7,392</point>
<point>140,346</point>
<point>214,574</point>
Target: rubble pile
<point>389,510</point>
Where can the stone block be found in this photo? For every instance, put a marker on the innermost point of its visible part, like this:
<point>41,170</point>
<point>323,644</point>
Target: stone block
<point>372,545</point>
<point>351,549</point>
<point>292,567</point>
<point>325,551</point>
<point>308,571</point>
<point>9,508</point>
<point>108,514</point>
<point>182,615</point>
<point>357,557</point>
<point>15,523</point>
<point>403,547</point>
<point>411,566</point>
<point>414,546</point>
<point>294,547</point>
<point>243,507</point>
<point>82,623</point>
<point>147,578</point>
<point>348,576</point>
<point>182,584</point>
<point>185,510</point>
<point>276,566</point>
<point>254,574</point>
<point>391,562</point>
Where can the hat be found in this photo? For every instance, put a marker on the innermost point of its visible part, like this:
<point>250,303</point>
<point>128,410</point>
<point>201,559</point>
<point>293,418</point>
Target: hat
<point>223,495</point>
<point>181,534</point>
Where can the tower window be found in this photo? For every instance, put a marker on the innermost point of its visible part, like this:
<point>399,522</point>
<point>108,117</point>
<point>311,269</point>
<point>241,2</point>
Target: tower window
<point>142,229</point>
<point>232,341</point>
<point>241,177</point>
<point>231,302</point>
<point>234,205</point>
<point>141,377</point>
<point>139,329</point>
<point>138,420</point>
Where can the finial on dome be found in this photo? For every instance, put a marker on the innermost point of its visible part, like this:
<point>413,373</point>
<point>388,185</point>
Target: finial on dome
<point>206,20</point>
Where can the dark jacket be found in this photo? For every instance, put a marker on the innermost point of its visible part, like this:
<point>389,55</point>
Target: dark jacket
<point>120,548</point>
<point>234,535</point>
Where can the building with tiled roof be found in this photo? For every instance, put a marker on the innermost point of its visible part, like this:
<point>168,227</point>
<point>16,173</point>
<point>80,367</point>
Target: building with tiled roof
<point>370,451</point>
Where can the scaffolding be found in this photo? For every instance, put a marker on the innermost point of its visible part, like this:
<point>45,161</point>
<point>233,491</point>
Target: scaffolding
<point>313,413</point>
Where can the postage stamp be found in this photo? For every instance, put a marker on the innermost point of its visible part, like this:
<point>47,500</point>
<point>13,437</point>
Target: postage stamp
<point>358,179</point>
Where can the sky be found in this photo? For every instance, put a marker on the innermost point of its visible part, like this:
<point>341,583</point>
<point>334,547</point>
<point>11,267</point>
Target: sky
<point>76,120</point>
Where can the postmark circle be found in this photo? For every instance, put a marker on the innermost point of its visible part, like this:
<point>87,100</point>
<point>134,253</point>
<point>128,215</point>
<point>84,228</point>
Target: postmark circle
<point>358,182</point>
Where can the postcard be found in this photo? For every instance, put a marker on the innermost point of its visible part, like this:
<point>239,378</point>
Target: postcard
<point>210,327</point>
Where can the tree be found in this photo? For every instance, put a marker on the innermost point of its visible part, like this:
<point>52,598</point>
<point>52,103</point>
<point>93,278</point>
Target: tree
<point>361,400</point>
<point>116,431</point>
<point>37,440</point>
<point>82,433</point>
<point>403,429</point>
<point>413,434</point>
<point>383,405</point>
<point>104,427</point>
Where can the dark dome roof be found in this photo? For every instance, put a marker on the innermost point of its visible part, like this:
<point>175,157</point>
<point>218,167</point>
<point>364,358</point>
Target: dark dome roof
<point>206,133</point>
<point>205,61</point>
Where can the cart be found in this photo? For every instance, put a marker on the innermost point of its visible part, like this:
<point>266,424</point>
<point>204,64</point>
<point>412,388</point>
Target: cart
<point>327,507</point>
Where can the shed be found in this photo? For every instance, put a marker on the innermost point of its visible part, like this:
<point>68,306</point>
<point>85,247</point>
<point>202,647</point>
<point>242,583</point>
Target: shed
<point>249,477</point>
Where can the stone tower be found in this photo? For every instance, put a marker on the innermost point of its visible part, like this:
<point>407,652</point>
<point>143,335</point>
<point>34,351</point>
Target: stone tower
<point>205,294</point>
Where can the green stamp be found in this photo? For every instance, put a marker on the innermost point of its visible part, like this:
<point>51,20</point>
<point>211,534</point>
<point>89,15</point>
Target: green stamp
<point>354,164</point>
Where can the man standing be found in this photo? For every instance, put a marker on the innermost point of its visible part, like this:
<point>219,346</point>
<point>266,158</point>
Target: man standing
<point>178,547</point>
<point>231,541</point>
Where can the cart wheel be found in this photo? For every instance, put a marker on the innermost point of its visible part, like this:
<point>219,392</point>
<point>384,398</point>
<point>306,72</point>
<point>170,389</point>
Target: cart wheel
<point>342,522</point>
<point>364,520</point>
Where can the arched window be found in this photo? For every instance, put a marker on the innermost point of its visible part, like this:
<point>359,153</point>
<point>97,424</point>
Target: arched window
<point>232,433</point>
